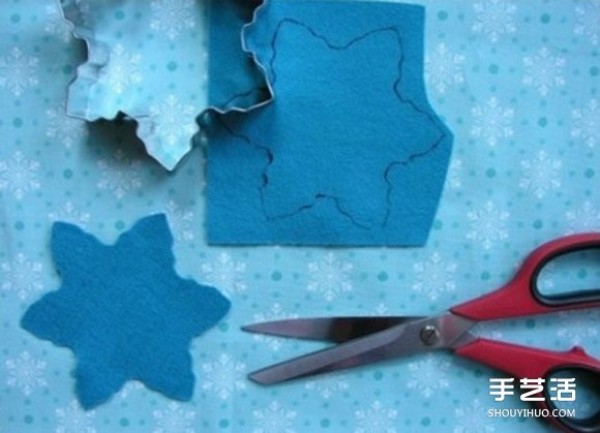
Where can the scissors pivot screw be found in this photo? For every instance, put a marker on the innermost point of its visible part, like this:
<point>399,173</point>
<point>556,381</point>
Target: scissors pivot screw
<point>430,335</point>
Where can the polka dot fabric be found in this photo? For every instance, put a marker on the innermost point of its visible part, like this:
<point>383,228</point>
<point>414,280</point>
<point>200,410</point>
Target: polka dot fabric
<point>516,82</point>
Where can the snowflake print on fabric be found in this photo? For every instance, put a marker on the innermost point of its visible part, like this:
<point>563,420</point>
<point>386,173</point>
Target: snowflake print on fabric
<point>586,123</point>
<point>376,419</point>
<point>119,174</point>
<point>494,18</point>
<point>171,17</point>
<point>26,373</point>
<point>181,222</point>
<point>587,16</point>
<point>225,273</point>
<point>72,419</point>
<point>19,175</point>
<point>329,277</point>
<point>274,313</point>
<point>18,71</point>
<point>443,68</point>
<point>224,377</point>
<point>575,326</point>
<point>130,388</point>
<point>123,70</point>
<point>21,276</point>
<point>174,419</point>
<point>544,72</point>
<point>488,225</point>
<point>546,278</point>
<point>492,121</point>
<point>64,129</point>
<point>85,6</point>
<point>454,171</point>
<point>69,213</point>
<point>174,123</point>
<point>434,277</point>
<point>381,310</point>
<point>56,24</point>
<point>541,174</point>
<point>429,375</point>
<point>176,120</point>
<point>492,330</point>
<point>584,219</point>
<point>327,387</point>
<point>472,418</point>
<point>274,419</point>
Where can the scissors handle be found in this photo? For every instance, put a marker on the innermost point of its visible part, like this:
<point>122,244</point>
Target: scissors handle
<point>524,362</point>
<point>521,296</point>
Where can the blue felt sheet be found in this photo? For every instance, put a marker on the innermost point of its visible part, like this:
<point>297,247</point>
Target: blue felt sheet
<point>349,152</point>
<point>124,311</point>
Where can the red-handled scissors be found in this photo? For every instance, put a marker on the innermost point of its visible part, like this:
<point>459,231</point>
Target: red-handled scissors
<point>364,340</point>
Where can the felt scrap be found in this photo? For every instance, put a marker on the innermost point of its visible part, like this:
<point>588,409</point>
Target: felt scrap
<point>349,151</point>
<point>124,311</point>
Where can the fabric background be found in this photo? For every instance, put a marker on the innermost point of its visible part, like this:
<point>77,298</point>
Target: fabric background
<point>517,83</point>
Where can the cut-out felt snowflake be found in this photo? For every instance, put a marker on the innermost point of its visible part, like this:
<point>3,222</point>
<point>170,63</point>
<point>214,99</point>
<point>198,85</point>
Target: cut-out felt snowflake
<point>124,311</point>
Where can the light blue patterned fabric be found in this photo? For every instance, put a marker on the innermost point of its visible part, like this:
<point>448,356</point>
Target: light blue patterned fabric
<point>517,83</point>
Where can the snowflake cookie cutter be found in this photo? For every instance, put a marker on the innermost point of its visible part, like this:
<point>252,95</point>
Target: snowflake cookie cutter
<point>141,65</point>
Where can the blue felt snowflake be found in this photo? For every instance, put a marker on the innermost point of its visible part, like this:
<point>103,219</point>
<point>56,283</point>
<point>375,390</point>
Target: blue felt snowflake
<point>124,311</point>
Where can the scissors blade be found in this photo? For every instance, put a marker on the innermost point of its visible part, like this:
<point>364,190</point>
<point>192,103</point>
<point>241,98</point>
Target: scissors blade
<point>334,329</point>
<point>398,341</point>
